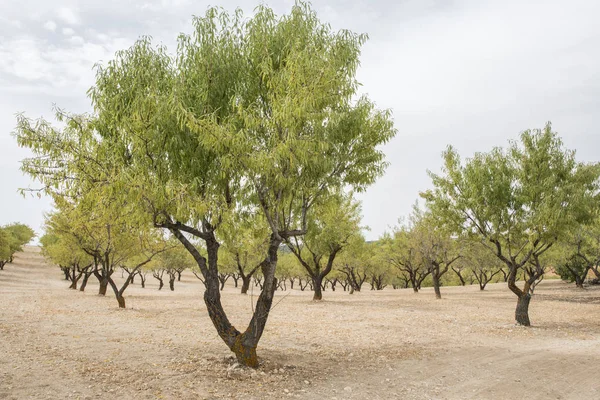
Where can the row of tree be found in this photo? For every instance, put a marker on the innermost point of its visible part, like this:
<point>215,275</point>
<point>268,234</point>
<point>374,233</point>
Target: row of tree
<point>12,239</point>
<point>248,140</point>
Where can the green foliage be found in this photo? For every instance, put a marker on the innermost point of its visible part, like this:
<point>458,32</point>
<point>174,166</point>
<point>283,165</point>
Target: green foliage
<point>5,248</point>
<point>571,268</point>
<point>62,249</point>
<point>12,239</point>
<point>519,200</point>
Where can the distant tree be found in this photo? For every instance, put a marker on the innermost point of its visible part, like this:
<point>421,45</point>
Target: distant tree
<point>519,201</point>
<point>438,250</point>
<point>5,249</point>
<point>245,240</point>
<point>353,263</point>
<point>579,252</point>
<point>12,239</point>
<point>405,252</point>
<point>481,262</point>
<point>63,251</point>
<point>106,235</point>
<point>172,261</point>
<point>330,228</point>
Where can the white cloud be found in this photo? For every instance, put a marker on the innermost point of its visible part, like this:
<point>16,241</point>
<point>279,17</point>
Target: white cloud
<point>68,31</point>
<point>50,25</point>
<point>78,40</point>
<point>68,15</point>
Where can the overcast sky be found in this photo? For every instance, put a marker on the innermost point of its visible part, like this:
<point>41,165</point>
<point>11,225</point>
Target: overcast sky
<point>471,73</point>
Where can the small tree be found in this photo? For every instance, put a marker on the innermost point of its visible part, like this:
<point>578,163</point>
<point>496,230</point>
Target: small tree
<point>12,239</point>
<point>520,201</point>
<point>404,252</point>
<point>329,230</point>
<point>481,262</point>
<point>63,251</point>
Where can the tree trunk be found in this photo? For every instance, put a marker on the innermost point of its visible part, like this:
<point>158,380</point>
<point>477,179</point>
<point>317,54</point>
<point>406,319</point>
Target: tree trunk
<point>460,277</point>
<point>317,281</point>
<point>246,284</point>
<point>103,286</point>
<point>179,276</point>
<point>172,283</point>
<point>86,276</point>
<point>121,301</point>
<point>160,284</point>
<point>74,283</point>
<point>245,355</point>
<point>436,285</point>
<point>522,311</point>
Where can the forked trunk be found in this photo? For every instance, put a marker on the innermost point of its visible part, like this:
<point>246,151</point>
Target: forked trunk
<point>245,355</point>
<point>74,283</point>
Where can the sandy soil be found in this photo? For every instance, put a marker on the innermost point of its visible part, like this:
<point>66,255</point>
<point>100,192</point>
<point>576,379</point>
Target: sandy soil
<point>59,343</point>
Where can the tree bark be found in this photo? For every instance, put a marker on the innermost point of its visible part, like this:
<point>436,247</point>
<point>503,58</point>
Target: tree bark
<point>436,284</point>
<point>318,293</point>
<point>522,311</point>
<point>86,276</point>
<point>121,301</point>
<point>246,284</point>
<point>103,286</point>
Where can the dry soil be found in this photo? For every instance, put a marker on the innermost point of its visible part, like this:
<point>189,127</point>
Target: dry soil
<point>58,343</point>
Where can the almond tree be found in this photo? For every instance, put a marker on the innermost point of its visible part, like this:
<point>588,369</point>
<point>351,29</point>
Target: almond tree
<point>63,251</point>
<point>405,255</point>
<point>580,253</point>
<point>329,230</point>
<point>12,239</point>
<point>520,201</point>
<point>259,114</point>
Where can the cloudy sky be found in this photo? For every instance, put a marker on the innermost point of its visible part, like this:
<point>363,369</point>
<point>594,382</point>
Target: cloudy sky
<point>472,73</point>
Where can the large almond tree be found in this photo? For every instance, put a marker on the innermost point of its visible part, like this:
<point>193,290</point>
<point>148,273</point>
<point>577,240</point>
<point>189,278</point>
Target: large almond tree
<point>256,114</point>
<point>518,201</point>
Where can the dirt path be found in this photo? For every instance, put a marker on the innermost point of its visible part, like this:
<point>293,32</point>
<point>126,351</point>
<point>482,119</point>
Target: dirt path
<point>60,343</point>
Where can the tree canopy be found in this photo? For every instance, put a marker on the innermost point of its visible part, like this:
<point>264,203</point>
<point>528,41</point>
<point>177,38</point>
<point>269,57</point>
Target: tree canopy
<point>519,200</point>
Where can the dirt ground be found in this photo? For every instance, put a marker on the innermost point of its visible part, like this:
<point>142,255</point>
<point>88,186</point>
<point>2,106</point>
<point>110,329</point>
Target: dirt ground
<point>57,343</point>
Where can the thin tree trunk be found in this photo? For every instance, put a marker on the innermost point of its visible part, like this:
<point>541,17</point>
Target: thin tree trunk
<point>86,276</point>
<point>436,284</point>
